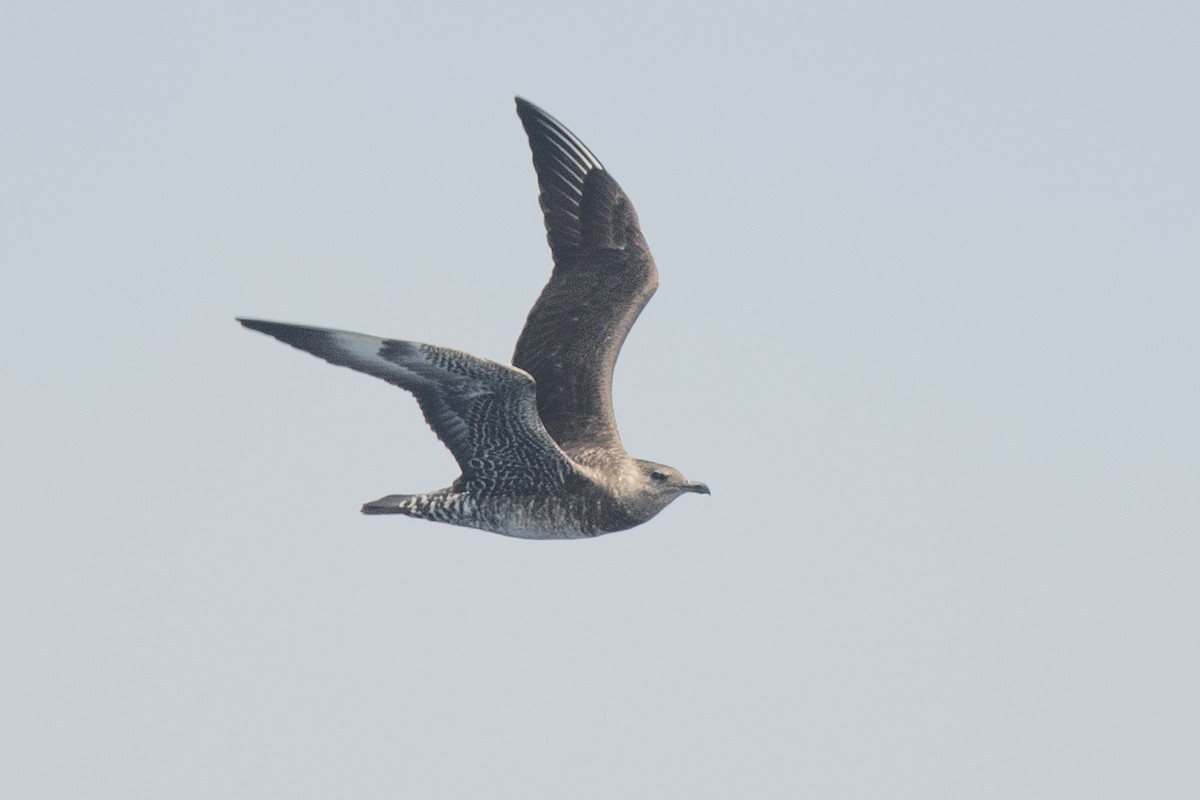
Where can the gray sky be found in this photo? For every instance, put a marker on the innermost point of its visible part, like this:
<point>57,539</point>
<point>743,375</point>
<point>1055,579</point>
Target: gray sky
<point>928,326</point>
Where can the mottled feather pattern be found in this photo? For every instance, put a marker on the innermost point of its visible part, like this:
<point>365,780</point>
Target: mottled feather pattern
<point>484,412</point>
<point>537,442</point>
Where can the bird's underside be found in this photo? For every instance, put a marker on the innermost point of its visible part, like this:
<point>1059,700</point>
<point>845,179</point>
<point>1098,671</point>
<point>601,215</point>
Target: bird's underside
<point>537,442</point>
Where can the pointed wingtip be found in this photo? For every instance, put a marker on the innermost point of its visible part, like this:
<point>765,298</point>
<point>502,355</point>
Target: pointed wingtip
<point>260,325</point>
<point>528,108</point>
<point>305,337</point>
<point>555,148</point>
<point>528,112</point>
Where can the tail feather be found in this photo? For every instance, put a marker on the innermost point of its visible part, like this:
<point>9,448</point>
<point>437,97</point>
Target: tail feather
<point>392,504</point>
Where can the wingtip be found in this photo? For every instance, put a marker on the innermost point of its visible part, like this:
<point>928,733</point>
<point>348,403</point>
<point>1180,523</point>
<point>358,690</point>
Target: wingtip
<point>260,325</point>
<point>294,335</point>
<point>542,127</point>
<point>526,108</point>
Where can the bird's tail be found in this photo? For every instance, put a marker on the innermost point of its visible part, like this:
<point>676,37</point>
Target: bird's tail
<point>392,504</point>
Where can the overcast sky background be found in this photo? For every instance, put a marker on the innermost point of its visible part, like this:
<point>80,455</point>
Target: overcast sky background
<point>928,325</point>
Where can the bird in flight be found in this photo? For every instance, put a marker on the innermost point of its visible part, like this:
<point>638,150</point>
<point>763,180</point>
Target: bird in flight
<point>537,441</point>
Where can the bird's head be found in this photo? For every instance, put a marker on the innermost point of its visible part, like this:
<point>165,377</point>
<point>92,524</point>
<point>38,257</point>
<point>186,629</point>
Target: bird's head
<point>656,486</point>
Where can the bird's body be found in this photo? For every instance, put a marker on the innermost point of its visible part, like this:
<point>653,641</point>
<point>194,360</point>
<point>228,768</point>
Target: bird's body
<point>537,442</point>
<point>580,512</point>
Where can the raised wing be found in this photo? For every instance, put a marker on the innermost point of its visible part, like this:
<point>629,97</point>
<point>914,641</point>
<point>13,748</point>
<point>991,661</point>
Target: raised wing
<point>603,277</point>
<point>484,412</point>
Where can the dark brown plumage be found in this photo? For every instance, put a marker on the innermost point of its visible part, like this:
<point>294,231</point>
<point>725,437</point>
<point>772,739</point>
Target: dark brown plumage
<point>603,277</point>
<point>537,442</point>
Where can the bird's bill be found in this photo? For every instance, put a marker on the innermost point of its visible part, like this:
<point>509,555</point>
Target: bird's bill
<point>698,488</point>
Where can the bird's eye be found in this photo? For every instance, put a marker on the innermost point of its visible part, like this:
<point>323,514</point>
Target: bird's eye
<point>658,476</point>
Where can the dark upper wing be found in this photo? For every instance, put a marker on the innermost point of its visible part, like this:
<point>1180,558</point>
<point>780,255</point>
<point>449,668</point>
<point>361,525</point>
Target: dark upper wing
<point>603,276</point>
<point>484,412</point>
